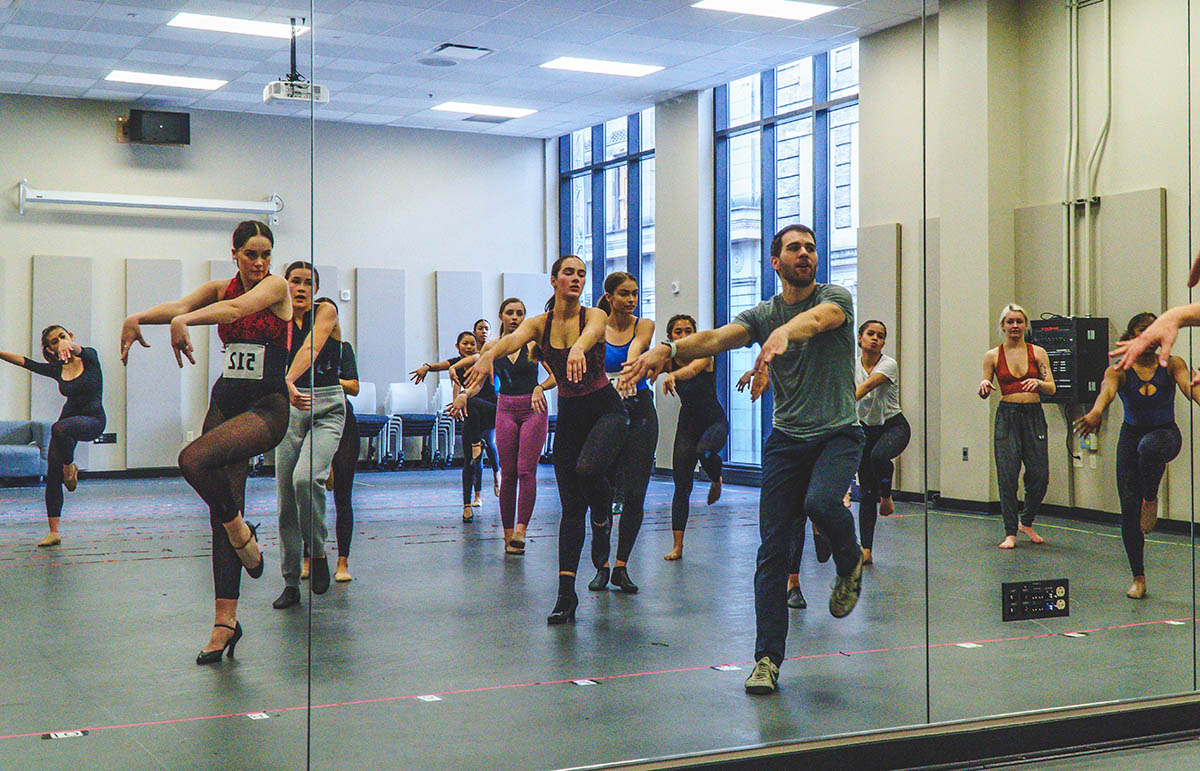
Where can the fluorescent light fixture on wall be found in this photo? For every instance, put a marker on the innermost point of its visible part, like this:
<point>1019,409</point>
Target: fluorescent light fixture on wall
<point>468,108</point>
<point>174,81</point>
<point>236,26</point>
<point>600,66</point>
<point>780,9</point>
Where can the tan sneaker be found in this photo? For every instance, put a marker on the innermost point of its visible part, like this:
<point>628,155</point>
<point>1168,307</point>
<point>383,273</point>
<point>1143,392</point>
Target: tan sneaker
<point>763,678</point>
<point>1137,590</point>
<point>846,590</point>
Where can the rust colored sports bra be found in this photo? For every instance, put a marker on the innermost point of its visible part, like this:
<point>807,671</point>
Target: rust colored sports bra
<point>1008,383</point>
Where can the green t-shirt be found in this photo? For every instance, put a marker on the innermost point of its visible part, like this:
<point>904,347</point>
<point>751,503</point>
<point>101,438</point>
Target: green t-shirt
<point>813,381</point>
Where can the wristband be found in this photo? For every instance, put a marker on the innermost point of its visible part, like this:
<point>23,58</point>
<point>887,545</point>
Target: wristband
<point>671,345</point>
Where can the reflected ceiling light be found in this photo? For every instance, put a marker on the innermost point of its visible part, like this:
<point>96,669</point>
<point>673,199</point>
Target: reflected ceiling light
<point>236,26</point>
<point>174,81</point>
<point>600,66</point>
<point>780,9</point>
<point>484,109</point>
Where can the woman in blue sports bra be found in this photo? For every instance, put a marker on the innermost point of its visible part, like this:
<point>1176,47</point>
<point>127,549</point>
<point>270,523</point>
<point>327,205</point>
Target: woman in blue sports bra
<point>626,336</point>
<point>1149,439</point>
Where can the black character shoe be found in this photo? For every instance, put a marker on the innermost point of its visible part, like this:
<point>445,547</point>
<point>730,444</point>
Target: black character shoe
<point>564,609</point>
<point>320,574</point>
<point>600,582</point>
<point>289,597</point>
<point>796,598</point>
<point>620,579</point>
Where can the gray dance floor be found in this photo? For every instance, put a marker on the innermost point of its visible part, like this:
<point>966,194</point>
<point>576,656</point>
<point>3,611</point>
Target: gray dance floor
<point>438,654</point>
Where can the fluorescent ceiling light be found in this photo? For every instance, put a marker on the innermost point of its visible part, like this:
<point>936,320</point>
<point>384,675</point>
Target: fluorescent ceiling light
<point>175,81</point>
<point>484,109</point>
<point>781,9</point>
<point>600,66</point>
<point>237,26</point>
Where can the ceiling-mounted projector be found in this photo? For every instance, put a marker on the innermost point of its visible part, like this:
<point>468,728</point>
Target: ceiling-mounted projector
<point>295,91</point>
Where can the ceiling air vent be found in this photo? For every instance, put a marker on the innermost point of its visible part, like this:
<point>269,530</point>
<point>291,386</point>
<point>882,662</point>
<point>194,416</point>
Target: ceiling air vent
<point>487,119</point>
<point>450,54</point>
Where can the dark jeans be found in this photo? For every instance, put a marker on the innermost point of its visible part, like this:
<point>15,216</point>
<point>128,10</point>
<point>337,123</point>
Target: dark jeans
<point>883,444</point>
<point>800,480</point>
<point>1020,438</point>
<point>1142,457</point>
<point>64,435</point>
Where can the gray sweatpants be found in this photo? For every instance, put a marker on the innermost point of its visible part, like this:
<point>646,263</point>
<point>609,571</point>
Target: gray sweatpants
<point>302,462</point>
<point>1019,438</point>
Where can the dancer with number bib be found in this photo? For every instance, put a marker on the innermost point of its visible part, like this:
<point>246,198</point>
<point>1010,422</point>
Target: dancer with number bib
<point>247,413</point>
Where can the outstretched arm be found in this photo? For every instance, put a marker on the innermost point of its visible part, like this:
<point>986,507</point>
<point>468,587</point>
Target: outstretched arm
<point>1113,379</point>
<point>529,331</point>
<point>163,313</point>
<point>804,326</point>
<point>710,342</point>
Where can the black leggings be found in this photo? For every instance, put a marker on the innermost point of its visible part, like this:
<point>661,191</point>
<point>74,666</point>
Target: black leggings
<point>215,465</point>
<point>480,420</point>
<point>345,462</point>
<point>634,465</point>
<point>64,435</point>
<point>695,439</point>
<point>1142,457</point>
<point>587,438</point>
<point>875,468</point>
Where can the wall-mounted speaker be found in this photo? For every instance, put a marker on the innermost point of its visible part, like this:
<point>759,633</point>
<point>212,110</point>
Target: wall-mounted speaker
<point>153,127</point>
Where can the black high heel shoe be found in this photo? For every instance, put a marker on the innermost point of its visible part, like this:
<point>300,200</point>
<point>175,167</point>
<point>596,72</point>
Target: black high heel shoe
<point>212,657</point>
<point>257,571</point>
<point>600,582</point>
<point>564,609</point>
<point>620,579</point>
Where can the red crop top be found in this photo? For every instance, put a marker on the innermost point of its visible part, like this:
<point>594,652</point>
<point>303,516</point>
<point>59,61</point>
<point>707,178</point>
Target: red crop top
<point>1008,383</point>
<point>259,327</point>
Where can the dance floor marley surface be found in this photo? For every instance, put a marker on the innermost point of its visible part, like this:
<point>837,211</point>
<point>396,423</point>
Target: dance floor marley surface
<point>437,655</point>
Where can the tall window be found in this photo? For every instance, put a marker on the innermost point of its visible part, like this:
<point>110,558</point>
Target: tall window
<point>621,180</point>
<point>786,152</point>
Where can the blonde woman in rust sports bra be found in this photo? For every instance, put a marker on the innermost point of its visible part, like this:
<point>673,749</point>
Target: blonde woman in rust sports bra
<point>1022,371</point>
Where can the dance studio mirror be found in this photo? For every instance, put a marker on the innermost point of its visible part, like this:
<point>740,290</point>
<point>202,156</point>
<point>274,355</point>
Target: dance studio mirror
<point>135,139</point>
<point>1057,205</point>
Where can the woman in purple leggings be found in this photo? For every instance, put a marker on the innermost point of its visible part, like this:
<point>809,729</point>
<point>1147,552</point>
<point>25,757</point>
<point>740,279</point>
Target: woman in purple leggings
<point>521,426</point>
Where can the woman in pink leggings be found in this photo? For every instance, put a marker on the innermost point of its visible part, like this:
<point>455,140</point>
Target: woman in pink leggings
<point>521,426</point>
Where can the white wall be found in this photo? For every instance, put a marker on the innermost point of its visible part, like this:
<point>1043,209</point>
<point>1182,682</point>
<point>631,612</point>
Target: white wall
<point>384,197</point>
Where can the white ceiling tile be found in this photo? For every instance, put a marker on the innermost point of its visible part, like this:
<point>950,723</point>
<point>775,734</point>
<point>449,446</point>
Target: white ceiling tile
<point>19,55</point>
<point>381,13</point>
<point>15,77</point>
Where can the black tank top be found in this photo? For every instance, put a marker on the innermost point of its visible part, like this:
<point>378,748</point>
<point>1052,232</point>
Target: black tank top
<point>517,378</point>
<point>85,393</point>
<point>328,360</point>
<point>698,397</point>
<point>487,391</point>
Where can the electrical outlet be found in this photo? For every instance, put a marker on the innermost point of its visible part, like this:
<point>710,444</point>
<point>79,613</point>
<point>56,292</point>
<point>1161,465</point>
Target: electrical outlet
<point>109,438</point>
<point>1077,462</point>
<point>966,455</point>
<point>191,436</point>
<point>1092,460</point>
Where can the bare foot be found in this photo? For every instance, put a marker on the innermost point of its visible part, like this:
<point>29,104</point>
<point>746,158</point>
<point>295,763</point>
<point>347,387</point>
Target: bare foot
<point>1137,590</point>
<point>51,539</point>
<point>673,555</point>
<point>886,507</point>
<point>867,557</point>
<point>1009,542</point>
<point>496,484</point>
<point>1149,516</point>
<point>1029,531</point>
<point>342,574</point>
<point>478,501</point>
<point>677,551</point>
<point>846,499</point>
<point>305,567</point>
<point>714,491</point>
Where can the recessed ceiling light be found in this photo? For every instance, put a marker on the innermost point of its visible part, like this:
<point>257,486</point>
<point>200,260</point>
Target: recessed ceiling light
<point>780,9</point>
<point>484,109</point>
<point>175,81</point>
<point>600,66</point>
<point>236,26</point>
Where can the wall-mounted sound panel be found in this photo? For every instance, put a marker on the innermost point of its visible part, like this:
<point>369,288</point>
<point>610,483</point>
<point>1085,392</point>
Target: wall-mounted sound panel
<point>459,305</point>
<point>153,384</point>
<point>533,289</point>
<point>62,294</point>
<point>380,328</point>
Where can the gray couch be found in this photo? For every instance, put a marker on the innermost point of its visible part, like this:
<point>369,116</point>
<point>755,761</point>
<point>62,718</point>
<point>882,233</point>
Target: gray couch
<point>23,448</point>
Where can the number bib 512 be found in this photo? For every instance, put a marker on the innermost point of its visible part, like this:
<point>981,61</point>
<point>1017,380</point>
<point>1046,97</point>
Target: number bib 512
<point>244,361</point>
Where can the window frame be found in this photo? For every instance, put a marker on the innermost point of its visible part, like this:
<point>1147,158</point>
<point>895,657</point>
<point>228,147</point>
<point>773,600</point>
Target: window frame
<point>766,125</point>
<point>632,158</point>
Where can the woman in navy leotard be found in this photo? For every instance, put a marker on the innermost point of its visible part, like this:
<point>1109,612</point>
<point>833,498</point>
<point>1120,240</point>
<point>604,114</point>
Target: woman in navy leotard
<point>77,371</point>
<point>247,413</point>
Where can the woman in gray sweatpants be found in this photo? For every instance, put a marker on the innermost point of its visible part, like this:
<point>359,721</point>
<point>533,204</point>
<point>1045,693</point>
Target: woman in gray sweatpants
<point>1022,371</point>
<point>317,417</point>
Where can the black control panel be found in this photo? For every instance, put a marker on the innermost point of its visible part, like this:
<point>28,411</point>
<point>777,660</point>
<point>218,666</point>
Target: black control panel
<point>1023,600</point>
<point>1078,351</point>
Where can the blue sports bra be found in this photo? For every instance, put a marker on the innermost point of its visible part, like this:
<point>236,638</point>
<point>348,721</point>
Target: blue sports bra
<point>614,359</point>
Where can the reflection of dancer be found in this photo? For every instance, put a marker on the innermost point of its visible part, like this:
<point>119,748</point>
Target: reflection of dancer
<point>478,417</point>
<point>521,427</point>
<point>248,411</point>
<point>700,433</point>
<point>316,419</point>
<point>1149,439</point>
<point>877,389</point>
<point>77,372</point>
<point>1020,431</point>
<point>591,418</point>
<point>626,336</point>
<point>807,339</point>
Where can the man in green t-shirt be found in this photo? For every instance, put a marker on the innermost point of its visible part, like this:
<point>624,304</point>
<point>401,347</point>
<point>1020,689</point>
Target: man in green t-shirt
<point>807,338</point>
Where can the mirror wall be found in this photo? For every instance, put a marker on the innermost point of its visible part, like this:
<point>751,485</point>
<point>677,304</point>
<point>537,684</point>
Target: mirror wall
<point>950,158</point>
<point>113,582</point>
